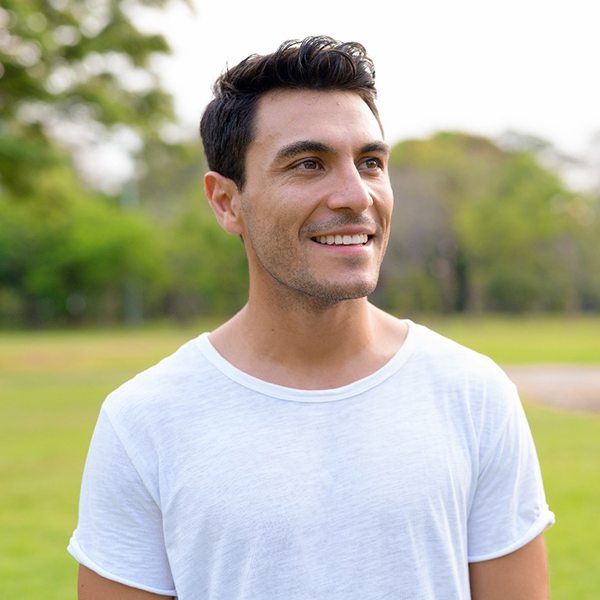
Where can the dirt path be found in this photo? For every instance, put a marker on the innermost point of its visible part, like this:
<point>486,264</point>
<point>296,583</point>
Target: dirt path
<point>571,387</point>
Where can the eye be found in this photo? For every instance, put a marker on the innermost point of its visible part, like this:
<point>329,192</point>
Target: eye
<point>308,164</point>
<point>371,163</point>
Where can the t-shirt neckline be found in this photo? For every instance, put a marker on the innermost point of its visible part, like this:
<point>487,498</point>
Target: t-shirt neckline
<point>282,392</point>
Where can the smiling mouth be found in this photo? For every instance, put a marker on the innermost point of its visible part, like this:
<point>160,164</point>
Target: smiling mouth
<point>342,240</point>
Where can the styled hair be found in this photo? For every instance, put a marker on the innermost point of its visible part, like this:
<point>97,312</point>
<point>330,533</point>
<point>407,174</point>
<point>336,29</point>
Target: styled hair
<point>314,63</point>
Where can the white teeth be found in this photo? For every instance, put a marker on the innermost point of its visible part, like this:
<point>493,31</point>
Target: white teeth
<point>343,240</point>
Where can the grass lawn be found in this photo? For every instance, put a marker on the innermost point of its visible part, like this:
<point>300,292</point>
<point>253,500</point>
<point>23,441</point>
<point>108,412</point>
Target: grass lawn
<point>569,448</point>
<point>526,340</point>
<point>51,387</point>
<point>52,384</point>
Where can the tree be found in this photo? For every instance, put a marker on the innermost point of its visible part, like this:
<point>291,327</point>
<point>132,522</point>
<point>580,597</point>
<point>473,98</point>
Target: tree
<point>69,258</point>
<point>479,228</point>
<point>71,72</point>
<point>206,267</point>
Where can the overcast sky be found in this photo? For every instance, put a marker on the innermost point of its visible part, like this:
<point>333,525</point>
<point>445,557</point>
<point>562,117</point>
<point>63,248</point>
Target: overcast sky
<point>475,65</point>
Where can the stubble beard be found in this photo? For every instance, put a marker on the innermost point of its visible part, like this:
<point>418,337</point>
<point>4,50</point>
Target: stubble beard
<point>327,293</point>
<point>314,295</point>
<point>294,282</point>
<point>304,287</point>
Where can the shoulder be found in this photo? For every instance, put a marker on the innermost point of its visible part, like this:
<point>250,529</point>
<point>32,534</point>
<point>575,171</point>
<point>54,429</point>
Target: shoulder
<point>164,388</point>
<point>462,376</point>
<point>445,355</point>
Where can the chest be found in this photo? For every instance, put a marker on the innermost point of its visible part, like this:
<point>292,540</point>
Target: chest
<point>302,468</point>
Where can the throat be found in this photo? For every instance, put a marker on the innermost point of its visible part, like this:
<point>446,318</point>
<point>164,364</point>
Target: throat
<point>333,350</point>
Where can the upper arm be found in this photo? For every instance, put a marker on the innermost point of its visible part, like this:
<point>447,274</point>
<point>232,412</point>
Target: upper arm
<point>520,575</point>
<point>508,505</point>
<point>120,529</point>
<point>92,586</point>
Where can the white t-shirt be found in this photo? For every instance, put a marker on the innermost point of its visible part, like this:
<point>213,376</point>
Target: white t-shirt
<point>203,482</point>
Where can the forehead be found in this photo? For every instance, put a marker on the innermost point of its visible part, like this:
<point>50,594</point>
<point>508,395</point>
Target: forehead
<point>333,117</point>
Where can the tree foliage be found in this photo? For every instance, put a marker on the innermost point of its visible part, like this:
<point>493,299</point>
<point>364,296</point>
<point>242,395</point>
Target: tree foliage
<point>206,268</point>
<point>71,255</point>
<point>72,70</point>
<point>481,228</point>
<point>477,226</point>
<point>72,73</point>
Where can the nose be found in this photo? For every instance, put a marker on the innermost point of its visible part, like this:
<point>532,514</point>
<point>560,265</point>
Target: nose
<point>350,191</point>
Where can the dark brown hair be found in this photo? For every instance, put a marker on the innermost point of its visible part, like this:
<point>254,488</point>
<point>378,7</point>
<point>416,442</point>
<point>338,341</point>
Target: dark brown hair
<point>316,63</point>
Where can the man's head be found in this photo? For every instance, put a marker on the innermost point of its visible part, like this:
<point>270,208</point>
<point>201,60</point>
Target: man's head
<point>300,171</point>
<point>315,63</point>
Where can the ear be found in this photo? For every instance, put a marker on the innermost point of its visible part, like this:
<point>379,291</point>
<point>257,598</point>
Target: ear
<point>223,196</point>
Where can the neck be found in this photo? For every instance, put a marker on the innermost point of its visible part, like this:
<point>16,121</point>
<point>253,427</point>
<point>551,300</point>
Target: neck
<point>309,344</point>
<point>312,330</point>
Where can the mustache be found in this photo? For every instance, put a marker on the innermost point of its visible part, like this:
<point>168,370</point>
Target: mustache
<point>339,221</point>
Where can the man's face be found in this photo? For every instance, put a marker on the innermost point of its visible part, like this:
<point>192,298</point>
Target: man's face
<point>317,200</point>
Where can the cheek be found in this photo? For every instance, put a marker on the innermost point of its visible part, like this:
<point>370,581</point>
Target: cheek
<point>386,199</point>
<point>386,192</point>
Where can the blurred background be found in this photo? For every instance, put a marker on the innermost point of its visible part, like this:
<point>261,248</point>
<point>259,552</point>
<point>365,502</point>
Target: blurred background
<point>110,256</point>
<point>492,110</point>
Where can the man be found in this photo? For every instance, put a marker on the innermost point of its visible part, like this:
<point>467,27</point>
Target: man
<point>313,446</point>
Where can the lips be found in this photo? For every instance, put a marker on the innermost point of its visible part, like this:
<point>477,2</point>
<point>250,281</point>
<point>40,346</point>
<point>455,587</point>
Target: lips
<point>342,240</point>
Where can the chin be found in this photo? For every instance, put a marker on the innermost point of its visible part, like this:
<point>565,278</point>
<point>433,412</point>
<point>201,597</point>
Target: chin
<point>330,294</point>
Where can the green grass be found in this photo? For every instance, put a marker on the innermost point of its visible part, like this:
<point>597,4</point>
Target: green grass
<point>569,448</point>
<point>535,339</point>
<point>52,384</point>
<point>51,387</point>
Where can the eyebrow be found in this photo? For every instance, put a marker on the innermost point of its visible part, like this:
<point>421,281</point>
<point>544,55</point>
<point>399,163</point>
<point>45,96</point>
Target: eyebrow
<point>305,146</point>
<point>301,147</point>
<point>380,147</point>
